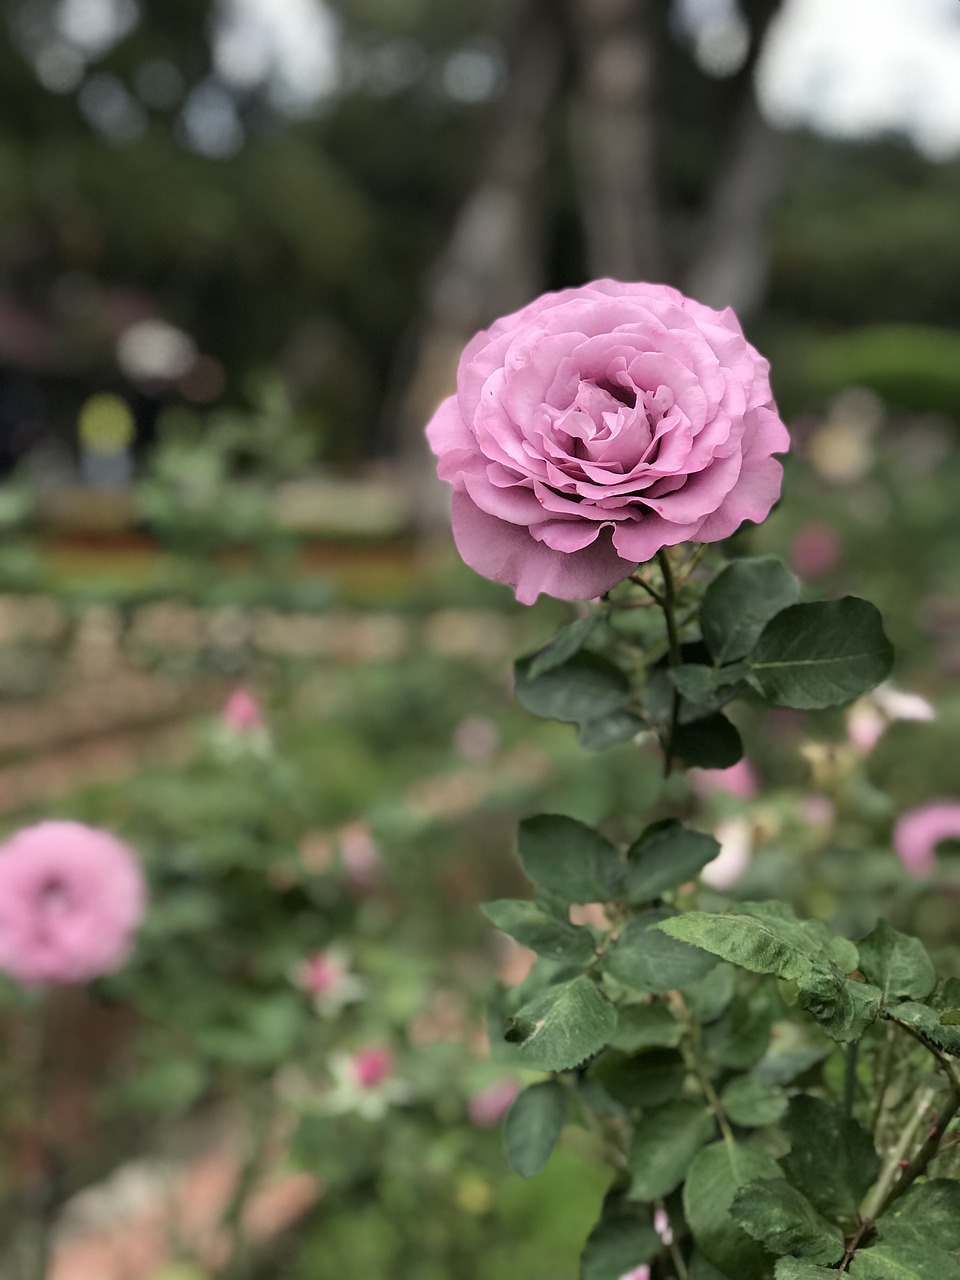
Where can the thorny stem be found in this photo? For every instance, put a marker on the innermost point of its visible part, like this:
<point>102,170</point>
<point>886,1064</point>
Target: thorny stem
<point>881,1195</point>
<point>884,1079</point>
<point>931,1144</point>
<point>668,603</point>
<point>693,1057</point>
<point>651,591</point>
<point>850,1077</point>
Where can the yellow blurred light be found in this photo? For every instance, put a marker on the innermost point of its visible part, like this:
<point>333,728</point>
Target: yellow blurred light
<point>474,1195</point>
<point>105,424</point>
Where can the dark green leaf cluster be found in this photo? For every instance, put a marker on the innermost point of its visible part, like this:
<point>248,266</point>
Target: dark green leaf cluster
<point>747,635</point>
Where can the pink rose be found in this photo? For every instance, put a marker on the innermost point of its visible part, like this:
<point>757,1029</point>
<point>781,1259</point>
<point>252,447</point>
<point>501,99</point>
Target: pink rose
<point>372,1066</point>
<point>242,713</point>
<point>488,1106</point>
<point>739,781</point>
<point>815,549</point>
<point>919,831</point>
<point>598,425</point>
<point>70,899</point>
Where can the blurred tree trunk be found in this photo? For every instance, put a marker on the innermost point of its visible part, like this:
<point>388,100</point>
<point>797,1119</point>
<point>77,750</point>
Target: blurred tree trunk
<point>614,138</point>
<point>492,263</point>
<point>731,264</point>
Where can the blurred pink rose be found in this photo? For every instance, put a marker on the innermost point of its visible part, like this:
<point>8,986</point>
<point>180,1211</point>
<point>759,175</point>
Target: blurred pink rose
<point>242,712</point>
<point>814,549</point>
<point>598,425</point>
<point>321,973</point>
<point>661,1224</point>
<point>71,898</point>
<point>918,832</point>
<point>360,856</point>
<point>819,811</point>
<point>488,1106</point>
<point>638,1273</point>
<point>372,1066</point>
<point>739,781</point>
<point>736,848</point>
<point>476,738</point>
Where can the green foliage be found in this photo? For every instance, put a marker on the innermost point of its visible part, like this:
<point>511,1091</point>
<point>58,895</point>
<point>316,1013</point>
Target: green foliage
<point>784,1221</point>
<point>739,603</point>
<point>622,1240</point>
<point>664,1143</point>
<point>713,1179</point>
<point>663,857</point>
<point>536,928</point>
<point>646,960</point>
<point>563,1027</point>
<point>831,1158</point>
<point>821,655</point>
<point>568,858</point>
<point>532,1127</point>
<point>898,965</point>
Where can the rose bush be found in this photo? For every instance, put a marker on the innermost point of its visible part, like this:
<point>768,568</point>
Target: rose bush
<point>598,425</point>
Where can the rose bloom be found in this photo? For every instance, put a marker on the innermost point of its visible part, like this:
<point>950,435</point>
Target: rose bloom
<point>489,1105</point>
<point>71,898</point>
<point>918,832</point>
<point>242,712</point>
<point>598,425</point>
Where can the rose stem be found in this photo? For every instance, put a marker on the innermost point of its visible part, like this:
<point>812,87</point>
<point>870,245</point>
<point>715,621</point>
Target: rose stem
<point>667,603</point>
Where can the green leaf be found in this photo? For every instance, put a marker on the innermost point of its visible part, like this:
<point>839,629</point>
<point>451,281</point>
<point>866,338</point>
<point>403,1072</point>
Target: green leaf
<point>902,1261</point>
<point>821,655</point>
<point>710,743</point>
<point>714,685</point>
<point>751,1104</point>
<point>665,856</point>
<point>768,938</point>
<point>664,1142</point>
<point>641,1080</point>
<point>701,1269</point>
<point>783,1066</point>
<point>569,858</point>
<point>533,927</point>
<point>927,1021</point>
<point>610,731</point>
<point>799,1269</point>
<point>532,1127</point>
<point>739,603</point>
<point>707,999</point>
<point>621,1241</point>
<point>563,1027</point>
<point>585,687</point>
<point>831,1160</point>
<point>645,1026</point>
<point>715,1176</point>
<point>568,641</point>
<point>784,1221</point>
<point>741,1036</point>
<point>897,964</point>
<point>645,959</point>
<point>928,1213</point>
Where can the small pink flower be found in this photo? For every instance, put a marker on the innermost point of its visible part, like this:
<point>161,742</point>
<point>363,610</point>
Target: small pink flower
<point>476,739</point>
<point>488,1106</point>
<point>361,857</point>
<point>242,713</point>
<point>638,1273</point>
<point>919,831</point>
<point>321,973</point>
<point>865,726</point>
<point>739,781</point>
<point>736,847</point>
<point>71,897</point>
<point>814,549</point>
<point>818,811</point>
<point>372,1066</point>
<point>661,1224</point>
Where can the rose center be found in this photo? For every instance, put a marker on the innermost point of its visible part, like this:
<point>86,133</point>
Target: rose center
<point>626,395</point>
